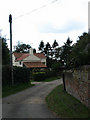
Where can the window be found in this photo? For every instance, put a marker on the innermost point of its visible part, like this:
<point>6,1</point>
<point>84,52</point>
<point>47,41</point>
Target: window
<point>20,62</point>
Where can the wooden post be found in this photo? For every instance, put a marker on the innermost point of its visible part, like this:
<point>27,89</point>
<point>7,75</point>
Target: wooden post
<point>11,64</point>
<point>64,82</point>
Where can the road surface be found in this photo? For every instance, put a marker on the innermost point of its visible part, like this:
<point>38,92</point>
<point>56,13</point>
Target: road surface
<point>30,103</point>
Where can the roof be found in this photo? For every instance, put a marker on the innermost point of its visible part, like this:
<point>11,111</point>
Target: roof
<point>18,55</point>
<point>34,65</point>
<point>40,55</point>
<point>21,56</point>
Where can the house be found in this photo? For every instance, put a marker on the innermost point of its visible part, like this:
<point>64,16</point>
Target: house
<point>29,60</point>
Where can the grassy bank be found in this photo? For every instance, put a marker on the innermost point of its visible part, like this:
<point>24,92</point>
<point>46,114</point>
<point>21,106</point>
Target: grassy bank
<point>8,89</point>
<point>65,105</point>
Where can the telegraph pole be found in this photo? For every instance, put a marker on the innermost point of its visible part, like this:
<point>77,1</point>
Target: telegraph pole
<point>11,64</point>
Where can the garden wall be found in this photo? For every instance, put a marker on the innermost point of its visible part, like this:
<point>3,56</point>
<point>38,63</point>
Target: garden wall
<point>78,83</point>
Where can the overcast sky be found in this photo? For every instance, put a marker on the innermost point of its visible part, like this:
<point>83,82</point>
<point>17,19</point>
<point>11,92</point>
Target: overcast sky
<point>47,20</point>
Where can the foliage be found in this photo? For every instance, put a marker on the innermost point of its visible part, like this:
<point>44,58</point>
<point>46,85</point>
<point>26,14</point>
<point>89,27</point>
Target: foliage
<point>50,74</point>
<point>41,76</point>
<point>21,47</point>
<point>56,66</point>
<point>69,55</point>
<point>5,53</point>
<point>55,44</point>
<point>49,51</point>
<point>80,52</point>
<point>20,75</point>
<point>65,53</point>
<point>6,75</point>
<point>41,46</point>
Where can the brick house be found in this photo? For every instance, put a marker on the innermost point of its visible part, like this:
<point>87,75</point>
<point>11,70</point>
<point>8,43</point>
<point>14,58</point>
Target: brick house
<point>29,60</point>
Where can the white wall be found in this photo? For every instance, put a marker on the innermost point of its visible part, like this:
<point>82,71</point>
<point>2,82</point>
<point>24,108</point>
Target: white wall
<point>16,63</point>
<point>32,58</point>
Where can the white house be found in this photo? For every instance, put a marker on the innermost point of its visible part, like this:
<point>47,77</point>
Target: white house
<point>30,60</point>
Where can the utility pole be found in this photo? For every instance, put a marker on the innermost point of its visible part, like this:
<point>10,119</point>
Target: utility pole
<point>11,64</point>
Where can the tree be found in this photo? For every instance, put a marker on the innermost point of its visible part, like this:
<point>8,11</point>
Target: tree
<point>5,53</point>
<point>54,49</point>
<point>21,47</point>
<point>55,44</point>
<point>65,53</point>
<point>41,46</point>
<point>34,50</point>
<point>80,51</point>
<point>47,49</point>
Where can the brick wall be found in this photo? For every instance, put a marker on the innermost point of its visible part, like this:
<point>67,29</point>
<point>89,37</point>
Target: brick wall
<point>78,83</point>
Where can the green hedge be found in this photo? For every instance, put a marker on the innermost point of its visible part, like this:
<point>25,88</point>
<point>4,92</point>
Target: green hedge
<point>6,75</point>
<point>50,74</point>
<point>39,76</point>
<point>20,75</point>
<point>44,75</point>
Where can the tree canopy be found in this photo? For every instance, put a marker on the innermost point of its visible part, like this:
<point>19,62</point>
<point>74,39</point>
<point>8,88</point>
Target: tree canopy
<point>68,55</point>
<point>5,52</point>
<point>21,47</point>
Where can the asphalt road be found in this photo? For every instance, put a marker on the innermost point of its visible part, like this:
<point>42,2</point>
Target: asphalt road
<point>30,103</point>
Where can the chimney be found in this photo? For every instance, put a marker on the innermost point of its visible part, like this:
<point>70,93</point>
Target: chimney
<point>31,51</point>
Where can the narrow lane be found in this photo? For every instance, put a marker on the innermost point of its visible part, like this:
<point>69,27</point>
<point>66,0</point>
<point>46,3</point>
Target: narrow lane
<point>30,103</point>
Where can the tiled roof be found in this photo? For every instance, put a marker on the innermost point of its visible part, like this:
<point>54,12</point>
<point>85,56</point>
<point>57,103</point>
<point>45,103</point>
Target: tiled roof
<point>34,65</point>
<point>40,55</point>
<point>21,56</point>
<point>18,55</point>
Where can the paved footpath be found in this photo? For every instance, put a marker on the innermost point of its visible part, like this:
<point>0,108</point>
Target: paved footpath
<point>30,103</point>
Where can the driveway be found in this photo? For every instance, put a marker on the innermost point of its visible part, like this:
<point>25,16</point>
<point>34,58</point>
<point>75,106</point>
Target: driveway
<point>30,103</point>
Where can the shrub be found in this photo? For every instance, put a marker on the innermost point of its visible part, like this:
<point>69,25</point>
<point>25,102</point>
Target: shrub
<point>6,75</point>
<point>50,74</point>
<point>39,76</point>
<point>20,75</point>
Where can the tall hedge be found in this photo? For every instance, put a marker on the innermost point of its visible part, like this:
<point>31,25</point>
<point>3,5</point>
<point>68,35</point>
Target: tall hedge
<point>20,75</point>
<point>6,75</point>
<point>42,76</point>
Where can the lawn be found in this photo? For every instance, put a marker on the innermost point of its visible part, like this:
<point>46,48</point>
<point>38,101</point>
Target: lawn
<point>8,89</point>
<point>65,105</point>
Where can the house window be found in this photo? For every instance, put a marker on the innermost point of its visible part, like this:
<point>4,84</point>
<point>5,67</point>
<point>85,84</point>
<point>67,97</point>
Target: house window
<point>20,62</point>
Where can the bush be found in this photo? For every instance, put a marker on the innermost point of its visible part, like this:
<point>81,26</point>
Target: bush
<point>40,76</point>
<point>50,74</point>
<point>6,75</point>
<point>20,75</point>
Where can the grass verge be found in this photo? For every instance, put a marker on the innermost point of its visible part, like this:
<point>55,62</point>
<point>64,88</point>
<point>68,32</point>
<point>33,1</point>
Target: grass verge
<point>65,105</point>
<point>8,89</point>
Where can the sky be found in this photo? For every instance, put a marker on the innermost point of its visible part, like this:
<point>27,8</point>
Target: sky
<point>47,20</point>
